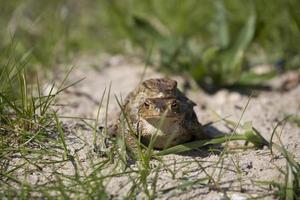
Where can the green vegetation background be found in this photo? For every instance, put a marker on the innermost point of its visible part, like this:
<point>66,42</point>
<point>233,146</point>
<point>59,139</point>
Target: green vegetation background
<point>213,41</point>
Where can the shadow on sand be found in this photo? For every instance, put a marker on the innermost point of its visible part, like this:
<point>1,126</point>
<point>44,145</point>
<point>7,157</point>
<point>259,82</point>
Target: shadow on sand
<point>208,150</point>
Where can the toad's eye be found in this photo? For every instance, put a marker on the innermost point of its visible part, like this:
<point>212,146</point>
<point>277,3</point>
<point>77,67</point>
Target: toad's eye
<point>147,105</point>
<point>174,105</point>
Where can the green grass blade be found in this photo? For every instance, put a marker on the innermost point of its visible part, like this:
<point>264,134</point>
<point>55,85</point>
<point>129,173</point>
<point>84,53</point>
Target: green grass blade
<point>222,25</point>
<point>252,79</point>
<point>198,144</point>
<point>61,136</point>
<point>232,59</point>
<point>289,195</point>
<point>145,26</point>
<point>97,118</point>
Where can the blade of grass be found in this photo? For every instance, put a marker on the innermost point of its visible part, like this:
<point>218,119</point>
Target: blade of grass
<point>97,118</point>
<point>61,136</point>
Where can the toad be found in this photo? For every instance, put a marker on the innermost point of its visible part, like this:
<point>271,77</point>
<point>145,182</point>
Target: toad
<point>158,111</point>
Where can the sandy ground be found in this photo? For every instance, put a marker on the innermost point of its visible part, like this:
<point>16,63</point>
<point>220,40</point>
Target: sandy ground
<point>237,179</point>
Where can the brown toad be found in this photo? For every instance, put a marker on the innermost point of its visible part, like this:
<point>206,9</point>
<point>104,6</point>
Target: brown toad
<point>157,109</point>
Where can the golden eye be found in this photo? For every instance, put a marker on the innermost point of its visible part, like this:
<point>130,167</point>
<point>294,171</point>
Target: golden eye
<point>147,105</point>
<point>174,105</point>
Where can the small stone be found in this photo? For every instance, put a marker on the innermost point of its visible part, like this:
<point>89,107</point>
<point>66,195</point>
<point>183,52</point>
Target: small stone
<point>237,196</point>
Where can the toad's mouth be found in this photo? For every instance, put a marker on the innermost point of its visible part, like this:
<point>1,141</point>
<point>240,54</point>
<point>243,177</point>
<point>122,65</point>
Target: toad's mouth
<point>163,117</point>
<point>160,123</point>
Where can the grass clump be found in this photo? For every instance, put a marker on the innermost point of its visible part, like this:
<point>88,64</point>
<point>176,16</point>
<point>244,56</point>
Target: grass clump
<point>21,112</point>
<point>290,189</point>
<point>26,123</point>
<point>33,139</point>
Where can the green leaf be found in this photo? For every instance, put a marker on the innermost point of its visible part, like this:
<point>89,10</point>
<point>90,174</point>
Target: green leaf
<point>210,54</point>
<point>200,143</point>
<point>233,58</point>
<point>145,27</point>
<point>222,25</point>
<point>198,72</point>
<point>247,126</point>
<point>183,147</point>
<point>253,136</point>
<point>289,183</point>
<point>250,78</point>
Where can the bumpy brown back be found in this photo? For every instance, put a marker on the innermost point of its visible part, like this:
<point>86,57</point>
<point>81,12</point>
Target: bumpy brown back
<point>162,84</point>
